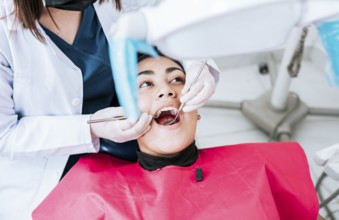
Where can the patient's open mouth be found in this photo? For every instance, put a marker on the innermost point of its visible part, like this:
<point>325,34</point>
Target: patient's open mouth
<point>164,115</point>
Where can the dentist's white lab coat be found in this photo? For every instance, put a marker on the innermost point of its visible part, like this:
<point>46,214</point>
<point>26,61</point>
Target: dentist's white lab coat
<point>41,124</point>
<point>41,93</point>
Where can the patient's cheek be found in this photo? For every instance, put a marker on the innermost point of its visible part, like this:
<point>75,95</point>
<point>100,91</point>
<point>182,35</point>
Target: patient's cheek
<point>144,106</point>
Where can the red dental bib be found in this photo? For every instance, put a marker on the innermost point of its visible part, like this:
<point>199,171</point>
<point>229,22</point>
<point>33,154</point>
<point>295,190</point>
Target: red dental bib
<point>247,181</point>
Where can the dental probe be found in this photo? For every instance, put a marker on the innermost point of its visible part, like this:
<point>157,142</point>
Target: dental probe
<point>106,119</point>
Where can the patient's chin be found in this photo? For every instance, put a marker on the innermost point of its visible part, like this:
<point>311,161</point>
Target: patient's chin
<point>162,148</point>
<point>163,144</point>
<point>169,149</point>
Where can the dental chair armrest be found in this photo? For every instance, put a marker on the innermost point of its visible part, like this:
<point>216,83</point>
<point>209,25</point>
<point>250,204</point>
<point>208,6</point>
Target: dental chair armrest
<point>329,158</point>
<point>329,154</point>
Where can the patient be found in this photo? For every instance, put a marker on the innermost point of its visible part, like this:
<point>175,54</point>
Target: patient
<point>173,180</point>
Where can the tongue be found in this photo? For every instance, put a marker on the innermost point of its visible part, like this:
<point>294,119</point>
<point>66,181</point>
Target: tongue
<point>162,120</point>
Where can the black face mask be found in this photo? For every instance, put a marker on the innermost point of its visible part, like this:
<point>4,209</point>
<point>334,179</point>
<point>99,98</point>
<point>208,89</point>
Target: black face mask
<point>71,5</point>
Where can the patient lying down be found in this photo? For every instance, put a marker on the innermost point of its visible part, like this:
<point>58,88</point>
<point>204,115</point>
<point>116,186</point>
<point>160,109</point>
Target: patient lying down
<point>174,180</point>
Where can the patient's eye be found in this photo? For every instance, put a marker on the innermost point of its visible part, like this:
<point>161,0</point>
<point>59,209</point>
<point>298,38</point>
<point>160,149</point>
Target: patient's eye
<point>178,80</point>
<point>145,84</point>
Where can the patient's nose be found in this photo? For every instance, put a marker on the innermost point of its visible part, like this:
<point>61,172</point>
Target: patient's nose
<point>166,92</point>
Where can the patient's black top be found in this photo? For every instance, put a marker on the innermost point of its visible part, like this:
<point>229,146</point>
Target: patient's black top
<point>184,158</point>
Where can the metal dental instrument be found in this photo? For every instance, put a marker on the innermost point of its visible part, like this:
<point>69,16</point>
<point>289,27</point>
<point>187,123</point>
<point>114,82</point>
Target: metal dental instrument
<point>106,119</point>
<point>182,104</point>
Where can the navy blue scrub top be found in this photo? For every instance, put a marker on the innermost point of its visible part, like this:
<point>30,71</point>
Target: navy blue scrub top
<point>89,52</point>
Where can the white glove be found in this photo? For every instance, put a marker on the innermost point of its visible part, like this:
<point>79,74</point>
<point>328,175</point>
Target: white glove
<point>201,91</point>
<point>329,158</point>
<point>121,130</point>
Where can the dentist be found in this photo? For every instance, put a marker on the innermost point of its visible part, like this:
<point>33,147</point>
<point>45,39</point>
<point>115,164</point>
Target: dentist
<point>55,75</point>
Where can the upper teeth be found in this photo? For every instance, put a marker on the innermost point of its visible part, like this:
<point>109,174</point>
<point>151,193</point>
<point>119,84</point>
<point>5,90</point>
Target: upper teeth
<point>175,110</point>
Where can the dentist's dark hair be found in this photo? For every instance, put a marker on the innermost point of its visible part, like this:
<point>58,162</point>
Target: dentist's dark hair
<point>28,11</point>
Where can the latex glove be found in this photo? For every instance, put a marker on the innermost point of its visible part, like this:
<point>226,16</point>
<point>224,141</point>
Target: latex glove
<point>121,130</point>
<point>126,40</point>
<point>329,158</point>
<point>201,91</point>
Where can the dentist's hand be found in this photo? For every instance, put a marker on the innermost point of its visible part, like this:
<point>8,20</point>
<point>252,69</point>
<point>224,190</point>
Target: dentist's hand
<point>329,158</point>
<point>121,130</point>
<point>201,91</point>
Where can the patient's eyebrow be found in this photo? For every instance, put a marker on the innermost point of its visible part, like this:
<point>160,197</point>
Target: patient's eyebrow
<point>171,69</point>
<point>146,72</point>
<point>151,72</point>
